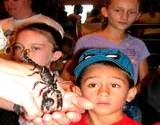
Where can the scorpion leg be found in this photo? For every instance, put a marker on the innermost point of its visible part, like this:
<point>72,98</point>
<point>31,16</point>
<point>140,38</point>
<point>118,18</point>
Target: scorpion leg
<point>59,100</point>
<point>35,84</point>
<point>33,73</point>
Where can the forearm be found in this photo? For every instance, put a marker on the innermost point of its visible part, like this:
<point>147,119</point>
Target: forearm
<point>11,67</point>
<point>5,104</point>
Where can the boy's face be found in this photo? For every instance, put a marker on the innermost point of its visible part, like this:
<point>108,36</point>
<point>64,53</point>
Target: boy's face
<point>107,87</point>
<point>13,7</point>
<point>122,13</point>
<point>39,46</point>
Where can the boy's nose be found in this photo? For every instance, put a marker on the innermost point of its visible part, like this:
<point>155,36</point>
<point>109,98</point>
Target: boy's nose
<point>104,91</point>
<point>103,94</point>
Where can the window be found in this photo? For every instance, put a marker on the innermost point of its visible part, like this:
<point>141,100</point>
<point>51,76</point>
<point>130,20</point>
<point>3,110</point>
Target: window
<point>86,9</point>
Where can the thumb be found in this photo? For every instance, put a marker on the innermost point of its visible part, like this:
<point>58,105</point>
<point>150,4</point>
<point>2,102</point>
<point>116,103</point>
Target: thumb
<point>81,102</point>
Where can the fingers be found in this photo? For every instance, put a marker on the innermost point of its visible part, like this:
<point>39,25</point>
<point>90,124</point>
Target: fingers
<point>74,103</point>
<point>37,121</point>
<point>57,118</point>
<point>60,118</point>
<point>66,118</point>
<point>73,116</point>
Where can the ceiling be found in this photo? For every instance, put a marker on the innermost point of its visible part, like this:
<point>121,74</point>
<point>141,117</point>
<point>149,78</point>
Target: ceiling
<point>73,2</point>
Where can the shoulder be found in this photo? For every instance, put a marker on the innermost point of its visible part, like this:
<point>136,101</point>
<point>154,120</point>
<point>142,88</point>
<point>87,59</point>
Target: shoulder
<point>87,37</point>
<point>85,41</point>
<point>139,46</point>
<point>127,121</point>
<point>4,21</point>
<point>135,40</point>
<point>158,123</point>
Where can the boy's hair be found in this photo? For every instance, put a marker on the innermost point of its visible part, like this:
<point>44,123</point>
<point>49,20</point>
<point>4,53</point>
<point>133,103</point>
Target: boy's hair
<point>112,57</point>
<point>42,28</point>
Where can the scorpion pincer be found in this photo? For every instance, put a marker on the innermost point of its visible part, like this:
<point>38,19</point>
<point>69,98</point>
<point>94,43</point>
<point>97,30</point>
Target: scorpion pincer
<point>50,80</point>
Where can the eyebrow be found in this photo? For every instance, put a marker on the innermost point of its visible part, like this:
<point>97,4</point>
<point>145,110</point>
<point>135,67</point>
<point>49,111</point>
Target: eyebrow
<point>90,77</point>
<point>42,44</point>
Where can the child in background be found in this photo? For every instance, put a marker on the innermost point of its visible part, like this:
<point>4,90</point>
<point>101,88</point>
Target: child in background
<point>106,78</point>
<point>21,12</point>
<point>121,14</point>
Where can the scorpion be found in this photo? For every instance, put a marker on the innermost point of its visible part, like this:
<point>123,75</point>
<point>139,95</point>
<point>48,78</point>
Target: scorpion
<point>50,80</point>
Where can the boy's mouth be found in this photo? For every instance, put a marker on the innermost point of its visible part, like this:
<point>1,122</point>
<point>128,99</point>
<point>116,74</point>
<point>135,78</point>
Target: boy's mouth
<point>103,103</point>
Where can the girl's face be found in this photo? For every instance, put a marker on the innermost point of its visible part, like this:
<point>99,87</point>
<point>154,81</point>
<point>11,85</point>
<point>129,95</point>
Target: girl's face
<point>107,87</point>
<point>14,7</point>
<point>39,46</point>
<point>122,13</point>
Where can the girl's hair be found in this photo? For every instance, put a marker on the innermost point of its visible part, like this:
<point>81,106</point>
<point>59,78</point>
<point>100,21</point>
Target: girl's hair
<point>130,80</point>
<point>108,2</point>
<point>53,35</point>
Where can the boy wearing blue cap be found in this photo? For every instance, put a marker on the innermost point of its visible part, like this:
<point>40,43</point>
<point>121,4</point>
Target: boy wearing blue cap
<point>106,78</point>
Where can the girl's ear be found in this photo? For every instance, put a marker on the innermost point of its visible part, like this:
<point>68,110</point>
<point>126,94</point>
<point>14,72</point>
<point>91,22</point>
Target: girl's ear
<point>104,12</point>
<point>131,94</point>
<point>57,55</point>
<point>138,16</point>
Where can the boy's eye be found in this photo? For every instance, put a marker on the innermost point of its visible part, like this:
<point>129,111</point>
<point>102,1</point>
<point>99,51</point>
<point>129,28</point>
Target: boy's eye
<point>115,85</point>
<point>92,85</point>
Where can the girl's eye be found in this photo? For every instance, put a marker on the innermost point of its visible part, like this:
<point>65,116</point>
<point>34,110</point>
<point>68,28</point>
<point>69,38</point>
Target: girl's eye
<point>36,48</point>
<point>133,12</point>
<point>115,85</point>
<point>117,10</point>
<point>17,48</point>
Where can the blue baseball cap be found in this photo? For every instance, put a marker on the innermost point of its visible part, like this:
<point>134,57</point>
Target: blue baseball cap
<point>115,56</point>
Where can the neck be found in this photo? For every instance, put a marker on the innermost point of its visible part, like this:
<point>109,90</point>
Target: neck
<point>25,14</point>
<point>114,35</point>
<point>108,119</point>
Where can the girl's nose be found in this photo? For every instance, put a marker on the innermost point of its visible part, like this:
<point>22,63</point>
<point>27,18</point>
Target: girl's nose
<point>124,16</point>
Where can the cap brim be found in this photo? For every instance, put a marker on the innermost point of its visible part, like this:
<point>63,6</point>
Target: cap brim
<point>82,65</point>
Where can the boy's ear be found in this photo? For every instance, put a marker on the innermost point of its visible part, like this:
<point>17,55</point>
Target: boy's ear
<point>104,12</point>
<point>57,55</point>
<point>131,94</point>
